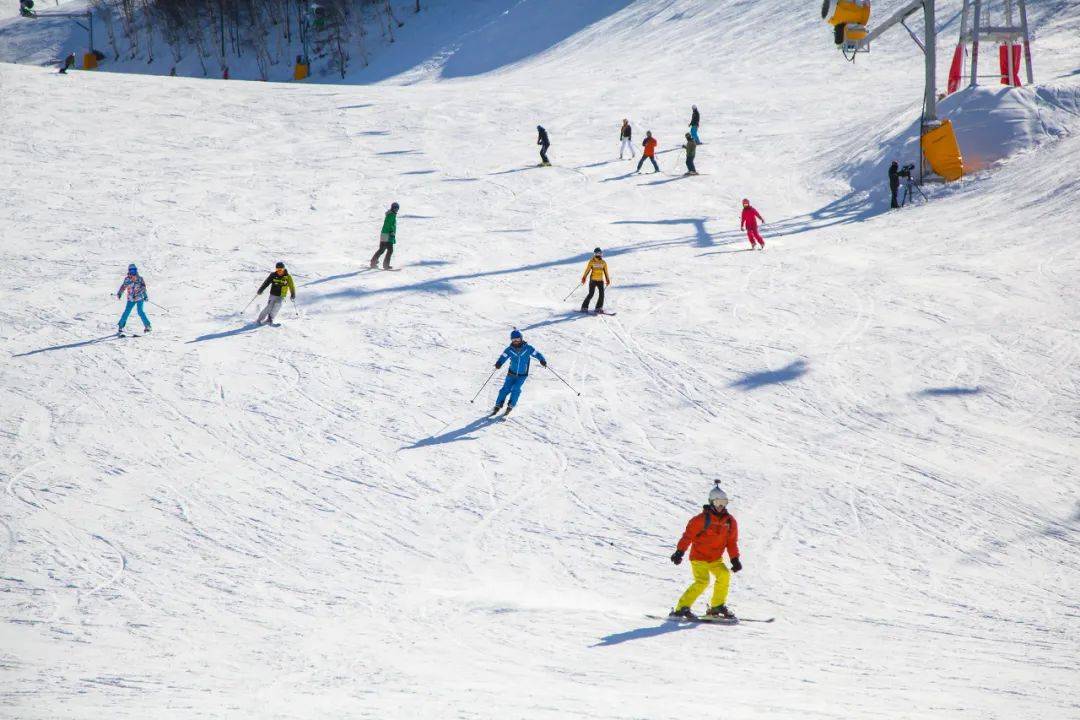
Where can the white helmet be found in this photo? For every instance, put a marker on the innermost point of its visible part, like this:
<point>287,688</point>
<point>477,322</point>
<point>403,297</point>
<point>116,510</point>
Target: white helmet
<point>718,499</point>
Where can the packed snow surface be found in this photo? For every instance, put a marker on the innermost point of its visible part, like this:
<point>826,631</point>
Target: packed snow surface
<point>312,520</point>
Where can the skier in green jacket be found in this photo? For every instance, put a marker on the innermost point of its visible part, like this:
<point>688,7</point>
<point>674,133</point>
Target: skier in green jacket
<point>387,238</point>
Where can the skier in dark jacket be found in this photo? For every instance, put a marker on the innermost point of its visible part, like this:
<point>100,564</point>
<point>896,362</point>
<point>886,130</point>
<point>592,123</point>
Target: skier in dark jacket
<point>695,120</point>
<point>544,143</point>
<point>894,182</point>
<point>69,62</point>
<point>691,151</point>
<point>387,238</point>
<point>625,140</point>
<point>280,282</point>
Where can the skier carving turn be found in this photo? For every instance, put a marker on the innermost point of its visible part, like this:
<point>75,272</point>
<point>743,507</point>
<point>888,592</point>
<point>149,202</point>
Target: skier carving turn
<point>519,354</point>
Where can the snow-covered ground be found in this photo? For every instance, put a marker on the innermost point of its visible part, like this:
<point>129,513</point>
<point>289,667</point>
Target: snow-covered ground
<point>311,521</point>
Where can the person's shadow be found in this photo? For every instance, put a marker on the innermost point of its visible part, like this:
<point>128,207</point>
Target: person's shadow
<point>643,633</point>
<point>462,433</point>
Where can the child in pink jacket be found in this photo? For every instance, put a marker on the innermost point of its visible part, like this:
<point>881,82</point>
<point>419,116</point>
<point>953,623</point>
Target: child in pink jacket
<point>750,218</point>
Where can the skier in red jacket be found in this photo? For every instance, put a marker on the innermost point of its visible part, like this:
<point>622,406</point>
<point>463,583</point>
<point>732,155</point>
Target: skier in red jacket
<point>750,217</point>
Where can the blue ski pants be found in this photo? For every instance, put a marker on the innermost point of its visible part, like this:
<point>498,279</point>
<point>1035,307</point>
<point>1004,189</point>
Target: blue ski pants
<point>511,386</point>
<point>127,311</point>
<point>693,135</point>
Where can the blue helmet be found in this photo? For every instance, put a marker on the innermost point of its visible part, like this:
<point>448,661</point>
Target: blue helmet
<point>515,335</point>
<point>132,270</point>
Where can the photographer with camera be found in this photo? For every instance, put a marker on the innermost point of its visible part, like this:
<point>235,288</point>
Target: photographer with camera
<point>895,173</point>
<point>894,182</point>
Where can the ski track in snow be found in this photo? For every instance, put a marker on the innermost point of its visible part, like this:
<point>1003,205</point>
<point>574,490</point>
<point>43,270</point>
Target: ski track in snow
<point>313,521</point>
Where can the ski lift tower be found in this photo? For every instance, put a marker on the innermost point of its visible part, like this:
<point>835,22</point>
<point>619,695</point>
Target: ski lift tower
<point>849,19</point>
<point>976,27</point>
<point>90,57</point>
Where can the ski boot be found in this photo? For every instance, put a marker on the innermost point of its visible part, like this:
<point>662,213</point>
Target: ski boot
<point>508,409</point>
<point>720,611</point>
<point>495,412</point>
<point>120,332</point>
<point>146,329</point>
<point>683,612</point>
<point>374,264</point>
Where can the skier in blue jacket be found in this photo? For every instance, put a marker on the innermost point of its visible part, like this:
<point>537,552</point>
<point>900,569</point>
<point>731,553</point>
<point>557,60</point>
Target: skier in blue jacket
<point>519,354</point>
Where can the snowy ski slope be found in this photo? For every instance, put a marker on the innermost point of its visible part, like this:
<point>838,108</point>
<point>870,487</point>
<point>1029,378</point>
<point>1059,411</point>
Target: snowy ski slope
<point>311,521</point>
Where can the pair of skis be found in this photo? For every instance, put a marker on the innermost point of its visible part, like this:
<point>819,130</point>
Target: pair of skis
<point>708,620</point>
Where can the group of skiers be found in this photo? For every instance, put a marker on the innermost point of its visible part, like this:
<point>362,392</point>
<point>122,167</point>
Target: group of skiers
<point>709,534</point>
<point>750,216</point>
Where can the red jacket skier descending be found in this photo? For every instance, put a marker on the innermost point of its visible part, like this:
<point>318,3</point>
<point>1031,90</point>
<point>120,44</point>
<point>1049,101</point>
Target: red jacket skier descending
<point>750,217</point>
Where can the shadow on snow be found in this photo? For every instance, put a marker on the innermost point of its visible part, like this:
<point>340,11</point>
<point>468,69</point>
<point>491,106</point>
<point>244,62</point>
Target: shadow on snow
<point>792,371</point>
<point>643,633</point>
<point>462,433</point>
<point>68,346</point>
<point>225,333</point>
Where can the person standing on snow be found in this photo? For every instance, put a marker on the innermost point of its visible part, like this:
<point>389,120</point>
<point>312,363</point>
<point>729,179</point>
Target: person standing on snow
<point>279,282</point>
<point>691,151</point>
<point>519,354</point>
<point>750,218</point>
<point>894,183</point>
<point>649,143</point>
<point>67,64</point>
<point>387,238</point>
<point>597,272</point>
<point>708,535</point>
<point>625,137</point>
<point>695,120</point>
<point>544,143</point>
<point>136,296</point>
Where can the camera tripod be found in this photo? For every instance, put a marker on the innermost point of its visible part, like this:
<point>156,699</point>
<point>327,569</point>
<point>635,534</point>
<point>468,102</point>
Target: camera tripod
<point>909,183</point>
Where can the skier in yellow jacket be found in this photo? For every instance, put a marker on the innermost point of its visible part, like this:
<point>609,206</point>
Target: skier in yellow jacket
<point>597,274</point>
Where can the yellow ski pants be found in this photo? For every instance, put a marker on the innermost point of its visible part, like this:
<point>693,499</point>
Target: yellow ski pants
<point>702,570</point>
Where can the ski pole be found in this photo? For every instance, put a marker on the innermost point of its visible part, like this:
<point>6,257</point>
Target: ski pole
<point>572,292</point>
<point>295,309</point>
<point>248,304</point>
<point>158,306</point>
<point>484,385</point>
<point>563,381</point>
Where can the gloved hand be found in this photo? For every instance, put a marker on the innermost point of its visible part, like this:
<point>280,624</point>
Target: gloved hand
<point>498,365</point>
<point>676,557</point>
<point>543,363</point>
<point>736,564</point>
<point>582,281</point>
<point>260,292</point>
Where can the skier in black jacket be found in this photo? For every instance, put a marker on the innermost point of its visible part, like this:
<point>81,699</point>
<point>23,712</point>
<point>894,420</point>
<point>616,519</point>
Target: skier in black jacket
<point>695,120</point>
<point>544,143</point>
<point>625,138</point>
<point>894,182</point>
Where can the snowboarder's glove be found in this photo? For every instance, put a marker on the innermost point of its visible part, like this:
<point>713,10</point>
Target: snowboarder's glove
<point>543,363</point>
<point>676,557</point>
<point>736,564</point>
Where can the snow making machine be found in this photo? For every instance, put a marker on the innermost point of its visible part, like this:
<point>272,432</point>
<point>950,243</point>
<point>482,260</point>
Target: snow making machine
<point>852,34</point>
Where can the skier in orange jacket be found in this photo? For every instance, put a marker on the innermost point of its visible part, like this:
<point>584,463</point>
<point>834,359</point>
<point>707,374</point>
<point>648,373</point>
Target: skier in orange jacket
<point>708,535</point>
